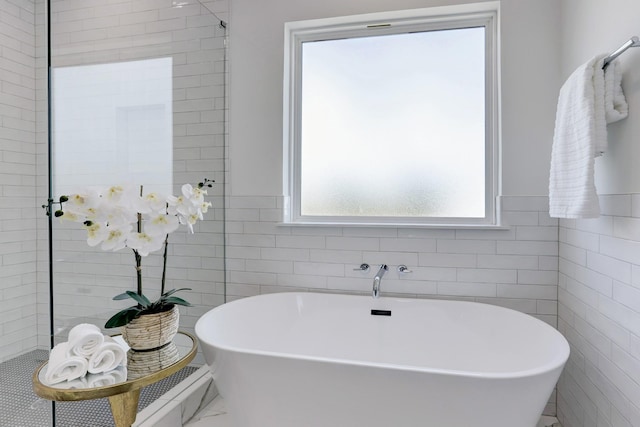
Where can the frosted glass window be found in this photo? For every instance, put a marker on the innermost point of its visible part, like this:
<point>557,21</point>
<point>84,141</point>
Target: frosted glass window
<point>112,124</point>
<point>395,126</point>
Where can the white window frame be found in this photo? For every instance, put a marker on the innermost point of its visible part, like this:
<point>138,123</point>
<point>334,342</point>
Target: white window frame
<point>437,18</point>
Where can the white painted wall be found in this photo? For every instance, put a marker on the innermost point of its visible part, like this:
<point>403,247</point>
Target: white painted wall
<point>530,82</point>
<point>590,27</point>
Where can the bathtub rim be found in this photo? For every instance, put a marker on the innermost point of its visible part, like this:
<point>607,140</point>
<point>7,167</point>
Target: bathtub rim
<point>558,361</point>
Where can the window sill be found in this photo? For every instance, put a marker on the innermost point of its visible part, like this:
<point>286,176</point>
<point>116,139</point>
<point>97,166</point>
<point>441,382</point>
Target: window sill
<point>396,225</point>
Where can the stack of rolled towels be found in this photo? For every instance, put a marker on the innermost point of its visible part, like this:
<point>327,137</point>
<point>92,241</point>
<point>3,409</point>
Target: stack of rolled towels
<point>87,359</point>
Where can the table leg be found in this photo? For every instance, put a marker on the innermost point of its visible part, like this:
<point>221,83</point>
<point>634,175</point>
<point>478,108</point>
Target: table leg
<point>124,407</point>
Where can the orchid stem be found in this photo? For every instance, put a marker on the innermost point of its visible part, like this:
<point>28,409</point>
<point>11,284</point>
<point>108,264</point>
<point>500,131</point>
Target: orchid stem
<point>164,265</point>
<point>138,257</point>
<point>138,270</point>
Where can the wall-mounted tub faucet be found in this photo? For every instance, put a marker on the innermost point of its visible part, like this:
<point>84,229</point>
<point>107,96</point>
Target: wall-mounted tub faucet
<point>363,267</point>
<point>377,279</point>
<point>404,269</point>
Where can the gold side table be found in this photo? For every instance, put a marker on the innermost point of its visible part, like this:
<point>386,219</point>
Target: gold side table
<point>123,396</point>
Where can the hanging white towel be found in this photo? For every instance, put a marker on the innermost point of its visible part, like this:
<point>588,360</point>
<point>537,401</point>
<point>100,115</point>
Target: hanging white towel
<point>589,99</point>
<point>63,367</point>
<point>84,340</point>
<point>107,357</point>
<point>615,103</point>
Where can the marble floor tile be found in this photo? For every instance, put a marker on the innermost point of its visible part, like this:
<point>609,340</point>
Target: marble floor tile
<point>548,422</point>
<point>215,415</point>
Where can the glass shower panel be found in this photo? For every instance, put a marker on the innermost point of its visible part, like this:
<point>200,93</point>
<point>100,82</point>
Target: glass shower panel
<point>137,99</point>
<point>21,76</point>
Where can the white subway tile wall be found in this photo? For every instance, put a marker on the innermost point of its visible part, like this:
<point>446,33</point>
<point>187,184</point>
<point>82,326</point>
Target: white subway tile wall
<point>18,317</point>
<point>516,266</point>
<point>599,313</point>
<point>95,32</point>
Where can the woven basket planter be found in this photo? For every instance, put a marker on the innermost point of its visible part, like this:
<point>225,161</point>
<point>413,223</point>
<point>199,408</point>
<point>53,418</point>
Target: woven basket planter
<point>151,331</point>
<point>141,363</point>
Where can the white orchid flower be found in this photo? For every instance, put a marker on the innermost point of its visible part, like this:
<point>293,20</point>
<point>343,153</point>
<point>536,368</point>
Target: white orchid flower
<point>78,207</point>
<point>116,238</point>
<point>150,203</point>
<point>70,216</point>
<point>114,193</point>
<point>192,219</point>
<point>204,207</point>
<point>117,215</point>
<point>195,194</point>
<point>161,224</point>
<point>120,197</point>
<point>111,214</point>
<point>181,206</point>
<point>96,233</point>
<point>188,210</point>
<point>175,204</point>
<point>145,243</point>
<point>84,203</point>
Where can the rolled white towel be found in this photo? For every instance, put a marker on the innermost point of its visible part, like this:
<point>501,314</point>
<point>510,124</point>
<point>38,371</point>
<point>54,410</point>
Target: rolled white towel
<point>120,374</point>
<point>107,357</point>
<point>114,376</point>
<point>77,384</point>
<point>84,340</point>
<point>64,367</point>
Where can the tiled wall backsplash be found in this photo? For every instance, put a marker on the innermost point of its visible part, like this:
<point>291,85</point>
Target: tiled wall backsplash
<point>599,313</point>
<point>514,267</point>
<point>18,319</point>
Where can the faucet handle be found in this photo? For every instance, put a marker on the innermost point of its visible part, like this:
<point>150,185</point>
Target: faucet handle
<point>363,267</point>
<point>404,269</point>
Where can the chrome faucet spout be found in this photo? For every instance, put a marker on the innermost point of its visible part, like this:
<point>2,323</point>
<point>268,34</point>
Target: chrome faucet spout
<point>376,280</point>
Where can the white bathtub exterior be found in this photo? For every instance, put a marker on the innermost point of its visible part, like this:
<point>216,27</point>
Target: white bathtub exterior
<point>319,360</point>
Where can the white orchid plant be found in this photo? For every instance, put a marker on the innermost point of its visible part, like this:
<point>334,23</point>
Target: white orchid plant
<point>123,216</point>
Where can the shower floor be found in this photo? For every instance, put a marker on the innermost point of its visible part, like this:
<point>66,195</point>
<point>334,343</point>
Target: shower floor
<point>20,407</point>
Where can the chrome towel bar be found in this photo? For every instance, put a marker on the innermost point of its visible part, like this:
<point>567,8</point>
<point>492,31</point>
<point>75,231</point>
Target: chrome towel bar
<point>632,42</point>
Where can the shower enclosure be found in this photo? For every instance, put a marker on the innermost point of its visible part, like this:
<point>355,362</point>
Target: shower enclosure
<point>101,93</point>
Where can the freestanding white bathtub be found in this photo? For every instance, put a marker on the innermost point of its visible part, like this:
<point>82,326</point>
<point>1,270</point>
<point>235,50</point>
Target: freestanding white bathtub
<point>323,360</point>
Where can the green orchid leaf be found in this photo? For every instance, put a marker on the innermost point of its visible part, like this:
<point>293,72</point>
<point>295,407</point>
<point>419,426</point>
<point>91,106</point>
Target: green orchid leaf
<point>121,296</point>
<point>123,317</point>
<point>140,299</point>
<point>173,291</point>
<point>155,306</point>
<point>177,301</point>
